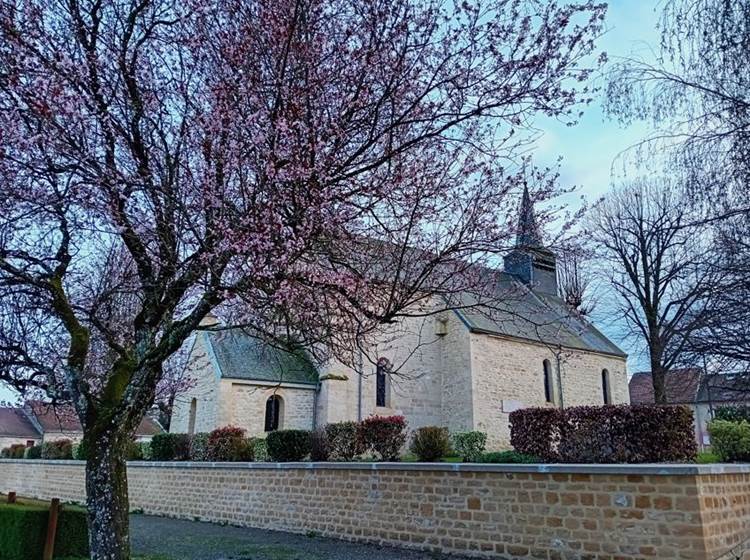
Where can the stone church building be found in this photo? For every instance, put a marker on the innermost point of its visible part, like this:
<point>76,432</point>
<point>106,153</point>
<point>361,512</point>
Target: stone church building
<point>465,369</point>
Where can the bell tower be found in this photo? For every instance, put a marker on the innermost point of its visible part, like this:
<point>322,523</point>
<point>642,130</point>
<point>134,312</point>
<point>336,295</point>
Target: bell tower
<point>530,261</point>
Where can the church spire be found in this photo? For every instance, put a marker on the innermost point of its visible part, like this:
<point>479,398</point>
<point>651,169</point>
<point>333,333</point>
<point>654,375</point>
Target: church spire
<point>530,261</point>
<point>528,234</point>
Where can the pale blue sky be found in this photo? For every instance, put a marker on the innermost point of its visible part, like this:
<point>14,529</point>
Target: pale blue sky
<point>590,148</point>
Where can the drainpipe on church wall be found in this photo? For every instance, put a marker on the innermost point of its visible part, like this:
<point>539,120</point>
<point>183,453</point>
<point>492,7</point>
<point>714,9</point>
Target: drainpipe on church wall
<point>316,400</point>
<point>359,387</point>
<point>558,365</point>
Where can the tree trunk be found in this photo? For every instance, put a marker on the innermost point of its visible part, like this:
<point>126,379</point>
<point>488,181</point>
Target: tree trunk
<point>655,355</point>
<point>107,496</point>
<point>658,378</point>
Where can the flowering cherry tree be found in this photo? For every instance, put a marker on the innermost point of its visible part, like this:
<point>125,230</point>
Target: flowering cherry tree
<point>323,164</point>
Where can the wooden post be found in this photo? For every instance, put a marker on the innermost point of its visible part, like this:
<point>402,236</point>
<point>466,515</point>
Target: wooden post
<point>11,497</point>
<point>49,544</point>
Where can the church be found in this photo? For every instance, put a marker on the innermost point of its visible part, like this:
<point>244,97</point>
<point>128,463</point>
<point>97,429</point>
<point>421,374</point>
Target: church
<point>464,369</point>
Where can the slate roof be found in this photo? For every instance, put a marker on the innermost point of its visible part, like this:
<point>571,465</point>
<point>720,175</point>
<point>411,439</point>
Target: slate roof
<point>240,355</point>
<point>681,386</point>
<point>725,388</point>
<point>518,311</point>
<point>685,386</point>
<point>14,423</point>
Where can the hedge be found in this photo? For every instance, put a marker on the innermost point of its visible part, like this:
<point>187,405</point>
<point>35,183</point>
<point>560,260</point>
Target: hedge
<point>133,452</point>
<point>199,447</point>
<point>260,450</point>
<point>170,447</point>
<point>605,434</point>
<point>14,451</point>
<point>733,413</point>
<point>383,435</point>
<point>58,449</point>
<point>23,527</point>
<point>320,450</point>
<point>343,440</point>
<point>730,440</point>
<point>469,445</point>
<point>229,444</point>
<point>288,445</point>
<point>431,443</point>
<point>33,452</point>
<point>507,457</point>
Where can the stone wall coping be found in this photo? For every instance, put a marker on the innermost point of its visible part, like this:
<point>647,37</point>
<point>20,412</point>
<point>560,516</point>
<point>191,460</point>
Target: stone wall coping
<point>665,469</point>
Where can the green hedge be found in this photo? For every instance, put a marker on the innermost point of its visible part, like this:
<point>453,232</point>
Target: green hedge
<point>288,445</point>
<point>469,445</point>
<point>23,527</point>
<point>170,447</point>
<point>507,457</point>
<point>730,440</point>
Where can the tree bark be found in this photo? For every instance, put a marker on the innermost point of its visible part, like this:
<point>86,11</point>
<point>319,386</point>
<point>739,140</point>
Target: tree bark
<point>658,378</point>
<point>107,496</point>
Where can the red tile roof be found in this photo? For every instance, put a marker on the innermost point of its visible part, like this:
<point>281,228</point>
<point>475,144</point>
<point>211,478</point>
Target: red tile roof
<point>681,385</point>
<point>14,423</point>
<point>62,418</point>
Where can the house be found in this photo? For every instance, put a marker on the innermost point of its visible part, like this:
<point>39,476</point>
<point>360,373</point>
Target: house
<point>17,427</point>
<point>465,369</point>
<point>702,393</point>
<point>37,422</point>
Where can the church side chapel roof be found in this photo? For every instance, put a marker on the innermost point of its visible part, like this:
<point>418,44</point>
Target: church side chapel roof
<point>518,311</point>
<point>239,355</point>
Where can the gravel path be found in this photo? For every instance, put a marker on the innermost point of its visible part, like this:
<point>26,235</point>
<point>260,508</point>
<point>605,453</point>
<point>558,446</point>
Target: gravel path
<point>189,540</point>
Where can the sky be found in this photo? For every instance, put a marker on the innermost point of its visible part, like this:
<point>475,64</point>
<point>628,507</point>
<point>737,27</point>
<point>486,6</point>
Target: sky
<point>590,148</point>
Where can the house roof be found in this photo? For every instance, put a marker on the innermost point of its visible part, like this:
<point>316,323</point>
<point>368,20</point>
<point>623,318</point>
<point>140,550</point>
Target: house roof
<point>14,423</point>
<point>518,311</point>
<point>239,355</point>
<point>681,386</point>
<point>62,418</point>
<point>724,388</point>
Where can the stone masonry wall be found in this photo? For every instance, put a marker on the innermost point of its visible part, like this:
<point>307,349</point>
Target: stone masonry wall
<point>601,512</point>
<point>508,374</point>
<point>247,406</point>
<point>203,387</point>
<point>725,510</point>
<point>431,385</point>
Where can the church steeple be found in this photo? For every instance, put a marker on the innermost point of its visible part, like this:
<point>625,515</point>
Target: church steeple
<point>530,261</point>
<point>528,234</point>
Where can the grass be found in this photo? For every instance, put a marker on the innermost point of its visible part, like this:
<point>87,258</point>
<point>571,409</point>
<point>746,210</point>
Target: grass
<point>707,457</point>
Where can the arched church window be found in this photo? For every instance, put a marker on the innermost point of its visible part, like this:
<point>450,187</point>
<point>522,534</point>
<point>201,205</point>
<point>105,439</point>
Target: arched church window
<point>273,413</point>
<point>606,391</point>
<point>382,371</point>
<point>549,392</point>
<point>191,418</point>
